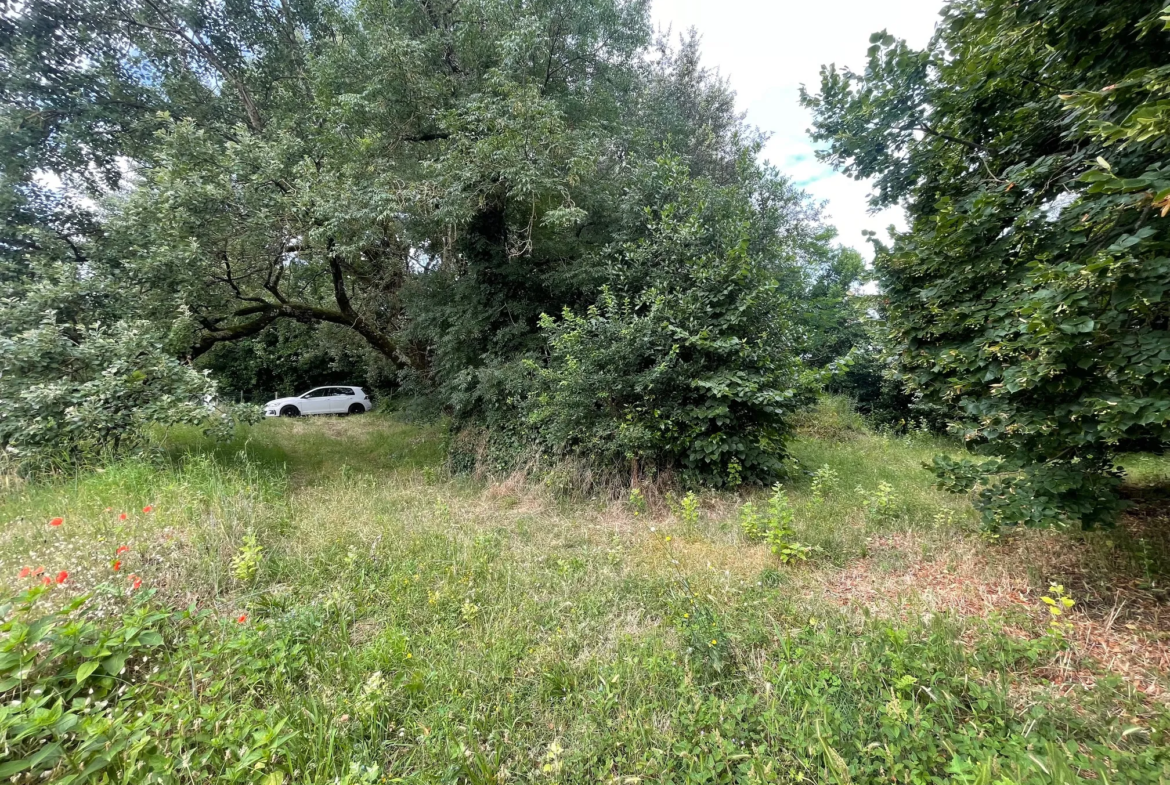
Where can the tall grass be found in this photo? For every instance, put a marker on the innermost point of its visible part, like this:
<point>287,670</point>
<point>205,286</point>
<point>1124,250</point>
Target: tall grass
<point>410,627</point>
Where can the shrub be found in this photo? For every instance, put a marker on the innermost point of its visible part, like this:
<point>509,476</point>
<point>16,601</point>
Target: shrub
<point>69,395</point>
<point>686,361</point>
<point>774,527</point>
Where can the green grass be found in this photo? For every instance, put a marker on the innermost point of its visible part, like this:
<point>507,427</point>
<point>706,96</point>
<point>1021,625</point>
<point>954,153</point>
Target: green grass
<point>404,626</point>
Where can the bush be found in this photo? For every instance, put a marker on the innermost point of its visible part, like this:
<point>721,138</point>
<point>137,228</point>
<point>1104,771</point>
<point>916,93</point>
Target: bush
<point>686,361</point>
<point>70,395</point>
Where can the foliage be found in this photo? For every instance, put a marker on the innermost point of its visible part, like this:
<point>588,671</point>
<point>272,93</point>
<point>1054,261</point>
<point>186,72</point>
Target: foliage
<point>1029,291</point>
<point>290,357</point>
<point>774,527</point>
<point>402,191</point>
<point>74,394</point>
<point>246,562</point>
<point>84,703</point>
<point>825,480</point>
<point>56,668</point>
<point>686,362</point>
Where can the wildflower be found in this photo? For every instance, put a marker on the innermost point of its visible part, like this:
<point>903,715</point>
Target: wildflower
<point>148,509</point>
<point>109,509</point>
<point>135,582</point>
<point>121,549</point>
<point>56,521</point>
<point>25,572</point>
<point>62,576</point>
<point>714,642</point>
<point>123,517</point>
<point>38,571</point>
<point>243,618</point>
<point>47,581</point>
<point>117,564</point>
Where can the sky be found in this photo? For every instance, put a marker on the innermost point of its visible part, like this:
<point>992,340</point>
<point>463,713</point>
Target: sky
<point>769,48</point>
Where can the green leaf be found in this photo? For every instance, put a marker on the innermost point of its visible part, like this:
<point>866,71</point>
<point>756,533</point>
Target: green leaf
<point>86,669</point>
<point>113,664</point>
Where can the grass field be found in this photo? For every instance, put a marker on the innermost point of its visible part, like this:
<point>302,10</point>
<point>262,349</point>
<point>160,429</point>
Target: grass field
<point>321,602</point>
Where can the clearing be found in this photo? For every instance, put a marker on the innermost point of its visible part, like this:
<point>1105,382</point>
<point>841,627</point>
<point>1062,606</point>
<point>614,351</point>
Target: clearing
<point>391,623</point>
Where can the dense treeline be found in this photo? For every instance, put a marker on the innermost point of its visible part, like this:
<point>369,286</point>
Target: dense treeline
<point>435,196</point>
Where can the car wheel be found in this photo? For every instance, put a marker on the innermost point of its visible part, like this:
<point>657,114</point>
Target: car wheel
<point>290,411</point>
<point>356,408</point>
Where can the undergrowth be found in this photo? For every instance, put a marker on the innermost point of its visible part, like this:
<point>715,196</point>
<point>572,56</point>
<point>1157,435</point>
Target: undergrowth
<point>320,602</point>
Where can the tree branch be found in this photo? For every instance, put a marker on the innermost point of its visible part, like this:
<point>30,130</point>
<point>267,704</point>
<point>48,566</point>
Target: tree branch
<point>255,121</point>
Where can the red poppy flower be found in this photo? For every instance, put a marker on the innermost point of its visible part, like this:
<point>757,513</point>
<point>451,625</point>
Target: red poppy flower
<point>56,521</point>
<point>121,549</point>
<point>123,517</point>
<point>38,571</point>
<point>109,509</point>
<point>243,618</point>
<point>62,576</point>
<point>117,565</point>
<point>135,582</point>
<point>25,572</point>
<point>47,580</point>
<point>148,508</point>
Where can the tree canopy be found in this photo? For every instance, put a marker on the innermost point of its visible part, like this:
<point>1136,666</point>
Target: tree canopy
<point>1027,144</point>
<point>432,177</point>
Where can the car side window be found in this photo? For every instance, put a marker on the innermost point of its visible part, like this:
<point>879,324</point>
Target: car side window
<point>345,391</point>
<point>317,393</point>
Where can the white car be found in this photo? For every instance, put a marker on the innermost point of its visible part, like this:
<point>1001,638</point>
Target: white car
<point>321,400</point>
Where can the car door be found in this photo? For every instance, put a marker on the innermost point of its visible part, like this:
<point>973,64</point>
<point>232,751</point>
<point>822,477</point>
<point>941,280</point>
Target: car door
<point>337,402</point>
<point>315,401</point>
<point>345,398</point>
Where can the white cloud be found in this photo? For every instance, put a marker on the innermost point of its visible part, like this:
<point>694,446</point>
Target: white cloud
<point>770,47</point>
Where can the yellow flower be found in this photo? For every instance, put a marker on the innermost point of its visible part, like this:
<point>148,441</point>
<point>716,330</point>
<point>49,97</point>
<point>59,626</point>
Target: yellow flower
<point>409,655</point>
<point>713,641</point>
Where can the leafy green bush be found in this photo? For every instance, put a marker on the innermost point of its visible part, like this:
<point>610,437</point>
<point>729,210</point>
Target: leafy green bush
<point>68,395</point>
<point>774,527</point>
<point>686,361</point>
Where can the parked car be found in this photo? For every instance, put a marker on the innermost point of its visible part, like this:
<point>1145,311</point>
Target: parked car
<point>321,400</point>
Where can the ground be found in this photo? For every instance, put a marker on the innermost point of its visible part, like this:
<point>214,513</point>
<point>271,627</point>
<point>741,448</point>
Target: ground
<point>357,614</point>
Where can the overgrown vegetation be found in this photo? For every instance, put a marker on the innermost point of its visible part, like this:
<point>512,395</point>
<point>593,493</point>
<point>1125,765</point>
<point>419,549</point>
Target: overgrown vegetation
<point>394,624</point>
<point>403,192</point>
<point>632,521</point>
<point>1029,293</point>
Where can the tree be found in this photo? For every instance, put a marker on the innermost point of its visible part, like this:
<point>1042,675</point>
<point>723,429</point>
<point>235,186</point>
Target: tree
<point>299,161</point>
<point>1030,289</point>
<point>431,177</point>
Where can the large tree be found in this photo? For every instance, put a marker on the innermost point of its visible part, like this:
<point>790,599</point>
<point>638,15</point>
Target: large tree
<point>1027,143</point>
<point>298,160</point>
<point>257,162</point>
